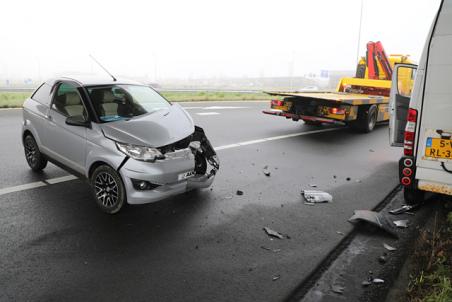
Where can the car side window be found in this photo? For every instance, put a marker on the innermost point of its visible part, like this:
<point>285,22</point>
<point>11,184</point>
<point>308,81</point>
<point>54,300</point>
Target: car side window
<point>42,95</point>
<point>68,102</point>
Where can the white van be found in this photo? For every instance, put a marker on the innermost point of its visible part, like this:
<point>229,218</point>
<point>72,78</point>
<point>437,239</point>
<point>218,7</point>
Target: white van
<point>421,121</point>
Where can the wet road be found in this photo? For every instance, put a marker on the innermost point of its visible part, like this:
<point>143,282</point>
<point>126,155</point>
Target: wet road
<point>201,246</point>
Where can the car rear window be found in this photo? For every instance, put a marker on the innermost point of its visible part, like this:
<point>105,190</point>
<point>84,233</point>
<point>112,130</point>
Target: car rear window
<point>42,95</point>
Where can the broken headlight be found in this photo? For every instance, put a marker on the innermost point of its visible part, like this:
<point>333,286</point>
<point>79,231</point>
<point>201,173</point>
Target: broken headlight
<point>140,152</point>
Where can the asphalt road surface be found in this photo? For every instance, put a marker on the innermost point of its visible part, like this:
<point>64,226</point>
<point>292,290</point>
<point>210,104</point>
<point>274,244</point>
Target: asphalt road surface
<point>201,246</point>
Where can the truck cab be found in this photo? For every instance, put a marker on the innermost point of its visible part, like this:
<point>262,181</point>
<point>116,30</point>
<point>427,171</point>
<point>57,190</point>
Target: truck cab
<point>421,114</point>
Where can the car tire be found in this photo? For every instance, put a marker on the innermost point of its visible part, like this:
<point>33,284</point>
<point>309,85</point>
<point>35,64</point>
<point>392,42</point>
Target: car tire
<point>35,159</point>
<point>366,120</point>
<point>108,188</point>
<point>413,196</point>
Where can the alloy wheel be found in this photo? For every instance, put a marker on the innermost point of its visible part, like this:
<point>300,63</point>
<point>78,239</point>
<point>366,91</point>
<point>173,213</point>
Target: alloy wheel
<point>106,189</point>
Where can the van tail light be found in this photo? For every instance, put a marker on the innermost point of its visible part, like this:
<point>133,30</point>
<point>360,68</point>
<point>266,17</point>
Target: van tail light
<point>406,181</point>
<point>410,130</point>
<point>277,103</point>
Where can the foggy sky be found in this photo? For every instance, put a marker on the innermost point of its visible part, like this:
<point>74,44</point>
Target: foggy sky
<point>197,38</point>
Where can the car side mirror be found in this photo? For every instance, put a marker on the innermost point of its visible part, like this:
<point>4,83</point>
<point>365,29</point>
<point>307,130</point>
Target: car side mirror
<point>78,121</point>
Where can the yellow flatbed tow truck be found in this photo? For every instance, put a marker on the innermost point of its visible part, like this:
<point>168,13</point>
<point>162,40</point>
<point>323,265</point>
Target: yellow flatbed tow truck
<point>360,102</point>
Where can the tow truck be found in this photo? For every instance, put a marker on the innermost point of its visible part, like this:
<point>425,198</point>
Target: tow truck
<point>360,102</point>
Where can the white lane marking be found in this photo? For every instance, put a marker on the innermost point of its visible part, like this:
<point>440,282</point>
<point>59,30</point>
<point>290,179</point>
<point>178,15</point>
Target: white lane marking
<point>56,180</point>
<point>53,181</point>
<point>207,113</point>
<point>262,140</point>
<point>24,187</point>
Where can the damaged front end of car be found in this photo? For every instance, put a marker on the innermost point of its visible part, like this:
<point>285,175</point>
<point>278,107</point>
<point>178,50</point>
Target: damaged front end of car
<point>206,160</point>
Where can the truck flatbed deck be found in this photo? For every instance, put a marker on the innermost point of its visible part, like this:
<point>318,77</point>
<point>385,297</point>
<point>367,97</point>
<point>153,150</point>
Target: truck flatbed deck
<point>337,97</point>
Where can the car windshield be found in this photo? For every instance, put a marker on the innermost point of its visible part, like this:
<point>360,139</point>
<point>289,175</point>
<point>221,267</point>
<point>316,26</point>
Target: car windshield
<point>118,102</point>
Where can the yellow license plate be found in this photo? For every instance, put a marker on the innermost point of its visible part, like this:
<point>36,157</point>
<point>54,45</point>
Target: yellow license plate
<point>283,108</point>
<point>438,148</point>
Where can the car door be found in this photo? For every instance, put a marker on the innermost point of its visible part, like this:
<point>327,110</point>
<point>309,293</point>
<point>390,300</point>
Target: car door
<point>67,143</point>
<point>399,101</point>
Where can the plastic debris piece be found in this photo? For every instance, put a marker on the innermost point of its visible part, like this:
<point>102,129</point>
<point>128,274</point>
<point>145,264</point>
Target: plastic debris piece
<point>378,281</point>
<point>340,233</point>
<point>309,203</point>
<point>267,173</point>
<point>239,192</point>
<point>374,218</point>
<point>314,196</point>
<point>228,197</point>
<point>403,209</point>
<point>366,283</point>
<point>403,224</point>
<point>313,185</point>
<point>270,250</point>
<point>276,277</point>
<point>338,289</point>
<point>273,233</point>
<point>358,181</point>
<point>389,248</point>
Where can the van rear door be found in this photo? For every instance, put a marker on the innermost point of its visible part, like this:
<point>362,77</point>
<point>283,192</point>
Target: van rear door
<point>399,101</point>
<point>434,140</point>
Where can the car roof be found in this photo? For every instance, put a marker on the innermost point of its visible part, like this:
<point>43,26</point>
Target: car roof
<point>92,80</point>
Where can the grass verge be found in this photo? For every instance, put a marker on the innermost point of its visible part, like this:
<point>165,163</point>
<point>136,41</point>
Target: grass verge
<point>431,280</point>
<point>16,99</point>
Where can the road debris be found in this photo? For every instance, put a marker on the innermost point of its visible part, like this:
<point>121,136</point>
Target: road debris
<point>404,209</point>
<point>403,224</point>
<point>382,259</point>
<point>378,281</point>
<point>371,150</point>
<point>340,233</point>
<point>374,218</point>
<point>389,248</point>
<point>313,196</point>
<point>228,197</point>
<point>338,289</point>
<point>348,179</point>
<point>239,192</point>
<point>271,250</point>
<point>266,171</point>
<point>273,233</point>
<point>366,283</point>
<point>313,185</point>
<point>276,277</point>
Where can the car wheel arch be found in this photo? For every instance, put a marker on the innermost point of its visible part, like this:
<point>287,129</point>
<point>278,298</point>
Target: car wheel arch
<point>95,165</point>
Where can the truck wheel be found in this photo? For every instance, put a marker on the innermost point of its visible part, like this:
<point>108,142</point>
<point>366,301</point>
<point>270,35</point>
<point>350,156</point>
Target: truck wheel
<point>34,157</point>
<point>367,119</point>
<point>108,188</point>
<point>413,196</point>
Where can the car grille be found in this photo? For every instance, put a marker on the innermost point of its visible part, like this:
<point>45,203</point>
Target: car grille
<point>179,145</point>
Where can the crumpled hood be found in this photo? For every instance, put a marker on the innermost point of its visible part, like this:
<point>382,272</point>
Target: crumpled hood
<point>157,129</point>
